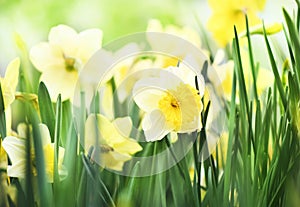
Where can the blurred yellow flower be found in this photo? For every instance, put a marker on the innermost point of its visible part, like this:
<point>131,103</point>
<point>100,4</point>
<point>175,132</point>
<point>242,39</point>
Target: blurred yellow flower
<point>227,13</point>
<point>172,105</point>
<point>15,147</point>
<point>222,76</point>
<point>8,85</point>
<point>63,56</point>
<point>110,141</point>
<point>10,81</point>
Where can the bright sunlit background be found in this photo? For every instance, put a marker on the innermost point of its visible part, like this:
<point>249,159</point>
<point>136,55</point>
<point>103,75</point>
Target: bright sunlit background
<point>33,19</point>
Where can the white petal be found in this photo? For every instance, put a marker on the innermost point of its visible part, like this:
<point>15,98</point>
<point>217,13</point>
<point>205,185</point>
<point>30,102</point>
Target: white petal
<point>155,126</point>
<point>60,81</point>
<point>45,135</point>
<point>66,37</point>
<point>44,55</point>
<point>89,42</point>
<point>17,170</point>
<point>15,148</point>
<point>147,99</point>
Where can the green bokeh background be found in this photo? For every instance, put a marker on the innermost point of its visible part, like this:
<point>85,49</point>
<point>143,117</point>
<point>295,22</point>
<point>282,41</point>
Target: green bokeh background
<point>32,19</point>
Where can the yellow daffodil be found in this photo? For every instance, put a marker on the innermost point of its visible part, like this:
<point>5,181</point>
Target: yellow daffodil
<point>10,81</point>
<point>15,147</point>
<point>63,56</point>
<point>170,103</point>
<point>227,13</point>
<point>8,85</point>
<point>110,141</point>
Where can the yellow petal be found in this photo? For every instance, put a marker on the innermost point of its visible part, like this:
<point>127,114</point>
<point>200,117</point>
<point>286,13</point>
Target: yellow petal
<point>12,73</point>
<point>123,125</point>
<point>128,146</point>
<point>114,160</point>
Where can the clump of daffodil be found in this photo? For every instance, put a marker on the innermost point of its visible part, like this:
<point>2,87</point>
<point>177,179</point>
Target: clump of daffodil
<point>110,142</point>
<point>63,56</point>
<point>227,13</point>
<point>171,103</point>
<point>15,147</point>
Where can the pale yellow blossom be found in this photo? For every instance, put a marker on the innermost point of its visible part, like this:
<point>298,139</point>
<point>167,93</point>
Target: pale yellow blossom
<point>62,58</point>
<point>110,141</point>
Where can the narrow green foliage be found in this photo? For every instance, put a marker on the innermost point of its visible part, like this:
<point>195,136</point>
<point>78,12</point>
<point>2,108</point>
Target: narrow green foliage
<point>46,109</point>
<point>2,116</point>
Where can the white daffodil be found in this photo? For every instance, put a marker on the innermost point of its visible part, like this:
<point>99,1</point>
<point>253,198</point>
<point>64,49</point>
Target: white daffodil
<point>110,141</point>
<point>15,147</point>
<point>63,56</point>
<point>171,103</point>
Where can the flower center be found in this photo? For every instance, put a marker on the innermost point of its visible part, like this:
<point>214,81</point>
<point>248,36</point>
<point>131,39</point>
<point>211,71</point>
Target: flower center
<point>180,106</point>
<point>70,63</point>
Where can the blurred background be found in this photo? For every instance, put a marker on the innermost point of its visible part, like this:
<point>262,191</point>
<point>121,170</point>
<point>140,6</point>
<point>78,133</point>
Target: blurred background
<point>32,19</point>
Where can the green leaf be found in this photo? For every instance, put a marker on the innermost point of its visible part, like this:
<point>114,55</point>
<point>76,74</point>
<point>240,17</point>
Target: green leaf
<point>46,109</point>
<point>45,193</point>
<point>2,116</point>
<point>275,72</point>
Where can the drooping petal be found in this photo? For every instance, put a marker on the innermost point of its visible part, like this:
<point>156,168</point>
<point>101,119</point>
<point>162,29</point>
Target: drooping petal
<point>128,146</point>
<point>18,169</point>
<point>114,160</point>
<point>15,148</point>
<point>155,126</point>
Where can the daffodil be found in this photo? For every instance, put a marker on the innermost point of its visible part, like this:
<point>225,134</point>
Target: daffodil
<point>227,13</point>
<point>15,147</point>
<point>110,142</point>
<point>63,56</point>
<point>8,85</point>
<point>10,81</point>
<point>170,103</point>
